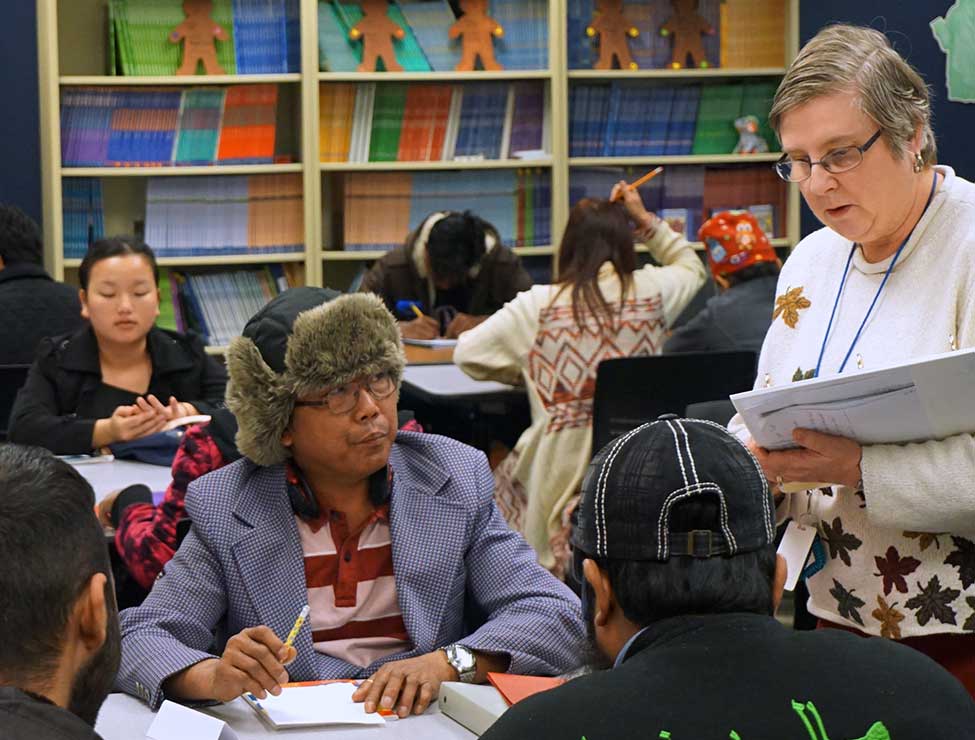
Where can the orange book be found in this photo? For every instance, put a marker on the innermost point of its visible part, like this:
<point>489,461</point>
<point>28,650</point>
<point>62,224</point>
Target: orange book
<point>514,688</point>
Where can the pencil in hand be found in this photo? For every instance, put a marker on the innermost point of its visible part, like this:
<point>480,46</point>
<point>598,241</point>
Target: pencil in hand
<point>637,183</point>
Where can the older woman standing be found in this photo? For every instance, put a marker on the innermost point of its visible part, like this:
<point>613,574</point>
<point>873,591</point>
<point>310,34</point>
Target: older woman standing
<point>888,279</point>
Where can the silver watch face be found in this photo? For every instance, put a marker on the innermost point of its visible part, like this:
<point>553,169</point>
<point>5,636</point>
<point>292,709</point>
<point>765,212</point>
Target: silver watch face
<point>462,660</point>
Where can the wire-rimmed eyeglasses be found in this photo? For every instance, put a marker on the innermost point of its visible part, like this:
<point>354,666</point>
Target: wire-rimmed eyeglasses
<point>836,161</point>
<point>344,398</point>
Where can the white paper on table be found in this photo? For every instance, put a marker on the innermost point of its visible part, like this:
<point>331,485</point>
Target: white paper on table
<point>324,704</point>
<point>928,398</point>
<point>175,722</point>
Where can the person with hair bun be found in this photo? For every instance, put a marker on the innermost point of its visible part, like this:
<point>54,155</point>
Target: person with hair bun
<point>888,279</point>
<point>120,377</point>
<point>454,269</point>
<point>553,337</point>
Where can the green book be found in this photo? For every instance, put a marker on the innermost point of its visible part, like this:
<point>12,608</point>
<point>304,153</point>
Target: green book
<point>143,28</point>
<point>167,313</point>
<point>757,101</point>
<point>335,52</point>
<point>387,122</point>
<point>408,51</point>
<point>719,107</point>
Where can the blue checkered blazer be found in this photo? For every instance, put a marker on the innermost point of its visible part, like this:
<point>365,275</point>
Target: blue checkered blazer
<point>241,565</point>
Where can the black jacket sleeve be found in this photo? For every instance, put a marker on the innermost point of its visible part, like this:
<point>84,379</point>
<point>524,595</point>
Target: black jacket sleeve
<point>36,418</point>
<point>213,380</point>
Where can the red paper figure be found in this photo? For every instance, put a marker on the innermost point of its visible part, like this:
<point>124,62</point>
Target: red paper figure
<point>478,30</point>
<point>686,26</point>
<point>197,33</point>
<point>614,31</point>
<point>377,31</point>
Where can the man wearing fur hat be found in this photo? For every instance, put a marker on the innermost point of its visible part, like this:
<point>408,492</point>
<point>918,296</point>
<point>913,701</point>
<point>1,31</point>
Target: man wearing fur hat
<point>394,542</point>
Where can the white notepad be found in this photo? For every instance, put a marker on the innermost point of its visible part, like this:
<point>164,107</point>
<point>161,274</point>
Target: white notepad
<point>925,398</point>
<point>308,706</point>
<point>437,343</point>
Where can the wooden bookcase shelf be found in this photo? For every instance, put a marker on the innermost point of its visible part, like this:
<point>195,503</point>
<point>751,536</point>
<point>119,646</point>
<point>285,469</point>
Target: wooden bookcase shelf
<point>72,53</point>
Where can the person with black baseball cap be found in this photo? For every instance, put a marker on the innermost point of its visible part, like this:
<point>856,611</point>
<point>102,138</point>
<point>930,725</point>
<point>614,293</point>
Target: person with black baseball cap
<point>680,580</point>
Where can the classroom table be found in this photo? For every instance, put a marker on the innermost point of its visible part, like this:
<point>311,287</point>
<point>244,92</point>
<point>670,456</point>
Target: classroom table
<point>442,383</point>
<point>417,355</point>
<point>112,475</point>
<point>126,718</point>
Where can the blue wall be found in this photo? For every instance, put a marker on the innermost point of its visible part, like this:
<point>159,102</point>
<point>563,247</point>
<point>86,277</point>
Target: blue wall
<point>20,146</point>
<point>905,21</point>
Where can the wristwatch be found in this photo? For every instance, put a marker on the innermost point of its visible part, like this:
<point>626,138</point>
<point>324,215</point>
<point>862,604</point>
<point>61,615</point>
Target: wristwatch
<point>463,660</point>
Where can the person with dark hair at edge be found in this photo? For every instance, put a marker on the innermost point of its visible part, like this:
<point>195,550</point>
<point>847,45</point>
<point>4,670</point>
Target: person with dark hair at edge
<point>120,378</point>
<point>745,268</point>
<point>391,538</point>
<point>454,269</point>
<point>675,550</point>
<point>59,633</point>
<point>33,305</point>
<point>553,337</point>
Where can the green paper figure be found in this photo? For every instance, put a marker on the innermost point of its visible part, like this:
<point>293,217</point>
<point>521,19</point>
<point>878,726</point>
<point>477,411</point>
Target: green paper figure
<point>954,34</point>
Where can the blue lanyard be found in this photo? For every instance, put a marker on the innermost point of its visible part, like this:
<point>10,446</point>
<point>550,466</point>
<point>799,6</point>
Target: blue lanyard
<point>846,270</point>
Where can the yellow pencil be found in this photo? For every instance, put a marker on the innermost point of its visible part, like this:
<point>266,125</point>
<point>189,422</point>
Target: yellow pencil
<point>417,311</point>
<point>637,183</point>
<point>298,622</point>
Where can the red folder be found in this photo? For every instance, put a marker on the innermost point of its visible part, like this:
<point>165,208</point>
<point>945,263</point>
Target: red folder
<point>515,688</point>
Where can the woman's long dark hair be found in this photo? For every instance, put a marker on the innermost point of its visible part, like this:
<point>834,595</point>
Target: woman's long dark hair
<point>598,231</point>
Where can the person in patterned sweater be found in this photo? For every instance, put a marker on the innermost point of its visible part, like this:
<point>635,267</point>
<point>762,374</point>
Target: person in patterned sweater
<point>888,279</point>
<point>553,337</point>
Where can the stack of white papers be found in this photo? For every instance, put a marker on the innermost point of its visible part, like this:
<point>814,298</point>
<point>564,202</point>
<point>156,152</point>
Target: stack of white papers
<point>928,398</point>
<point>307,706</point>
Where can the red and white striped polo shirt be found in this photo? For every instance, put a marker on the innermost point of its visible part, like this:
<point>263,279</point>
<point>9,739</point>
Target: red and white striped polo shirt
<point>354,613</point>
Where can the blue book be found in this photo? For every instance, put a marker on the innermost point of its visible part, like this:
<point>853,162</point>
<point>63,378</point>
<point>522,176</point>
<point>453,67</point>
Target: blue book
<point>429,22</point>
<point>657,122</point>
<point>579,15</point>
<point>524,44</point>
<point>683,120</point>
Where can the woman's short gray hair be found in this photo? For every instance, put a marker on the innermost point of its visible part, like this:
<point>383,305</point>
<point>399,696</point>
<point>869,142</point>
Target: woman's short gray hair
<point>889,90</point>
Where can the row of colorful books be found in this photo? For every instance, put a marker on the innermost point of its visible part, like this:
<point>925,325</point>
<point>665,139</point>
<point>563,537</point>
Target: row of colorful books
<point>426,45</point>
<point>214,215</point>
<point>516,202</point>
<point>746,33</point>
<point>688,194</point>
<point>217,305</point>
<point>634,119</point>
<point>262,36</point>
<point>124,127</point>
<point>83,214</point>
<point>389,122</point>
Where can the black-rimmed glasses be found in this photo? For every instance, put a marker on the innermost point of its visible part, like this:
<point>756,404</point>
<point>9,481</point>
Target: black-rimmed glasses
<point>343,399</point>
<point>836,161</point>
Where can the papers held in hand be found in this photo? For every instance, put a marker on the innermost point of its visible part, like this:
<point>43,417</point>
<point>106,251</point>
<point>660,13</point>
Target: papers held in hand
<point>311,706</point>
<point>927,398</point>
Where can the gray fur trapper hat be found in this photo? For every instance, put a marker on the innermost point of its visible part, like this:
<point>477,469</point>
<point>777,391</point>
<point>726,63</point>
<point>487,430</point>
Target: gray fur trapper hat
<point>304,340</point>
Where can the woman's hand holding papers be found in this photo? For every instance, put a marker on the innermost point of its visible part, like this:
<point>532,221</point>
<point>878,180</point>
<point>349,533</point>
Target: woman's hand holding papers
<point>253,661</point>
<point>820,457</point>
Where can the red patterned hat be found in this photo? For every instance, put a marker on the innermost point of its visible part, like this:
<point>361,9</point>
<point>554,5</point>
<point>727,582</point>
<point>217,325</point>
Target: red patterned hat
<point>734,241</point>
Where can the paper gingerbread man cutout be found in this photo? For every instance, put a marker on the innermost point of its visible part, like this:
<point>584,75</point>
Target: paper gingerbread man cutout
<point>197,33</point>
<point>686,27</point>
<point>377,31</point>
<point>613,30</point>
<point>477,30</point>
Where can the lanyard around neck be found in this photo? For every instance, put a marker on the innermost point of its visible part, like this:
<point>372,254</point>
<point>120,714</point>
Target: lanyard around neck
<point>839,293</point>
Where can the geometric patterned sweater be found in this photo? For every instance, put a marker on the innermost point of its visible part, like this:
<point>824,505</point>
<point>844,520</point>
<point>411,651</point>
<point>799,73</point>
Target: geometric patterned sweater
<point>534,340</point>
<point>900,555</point>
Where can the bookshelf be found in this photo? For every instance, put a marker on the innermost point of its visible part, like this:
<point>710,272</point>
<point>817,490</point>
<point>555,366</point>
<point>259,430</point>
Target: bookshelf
<point>72,50</point>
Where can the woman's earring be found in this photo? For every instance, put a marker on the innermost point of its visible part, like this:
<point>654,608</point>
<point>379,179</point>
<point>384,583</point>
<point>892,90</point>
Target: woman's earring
<point>918,162</point>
